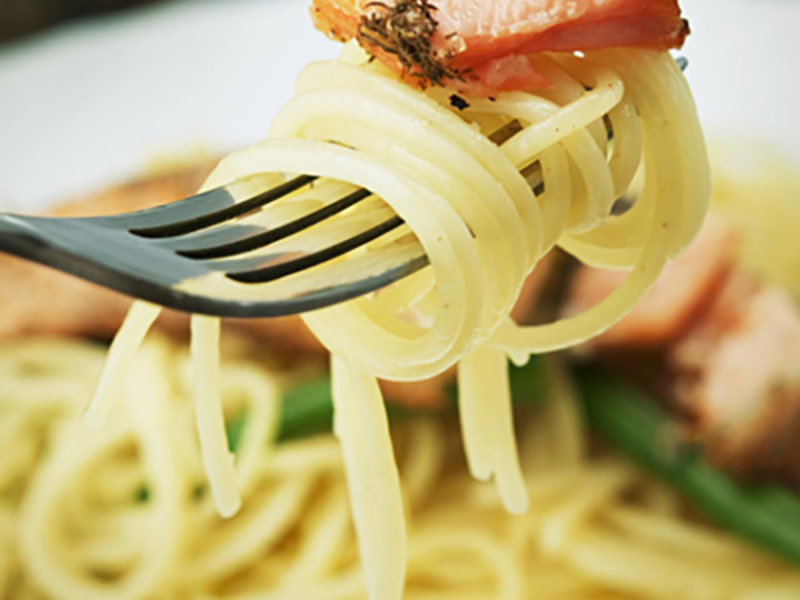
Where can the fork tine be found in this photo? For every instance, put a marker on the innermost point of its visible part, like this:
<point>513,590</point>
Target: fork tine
<point>228,234</point>
<point>264,238</point>
<point>201,211</point>
<point>342,281</point>
<point>237,209</point>
<point>172,212</point>
<point>273,272</point>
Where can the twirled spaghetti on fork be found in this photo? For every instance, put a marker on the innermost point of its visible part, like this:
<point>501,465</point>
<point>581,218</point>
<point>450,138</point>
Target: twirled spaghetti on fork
<point>413,128</point>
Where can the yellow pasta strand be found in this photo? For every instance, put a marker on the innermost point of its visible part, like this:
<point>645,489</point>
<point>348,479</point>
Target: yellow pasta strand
<point>210,420</point>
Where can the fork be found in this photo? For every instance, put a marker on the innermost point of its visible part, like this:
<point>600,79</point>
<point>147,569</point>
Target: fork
<point>306,263</point>
<point>151,254</point>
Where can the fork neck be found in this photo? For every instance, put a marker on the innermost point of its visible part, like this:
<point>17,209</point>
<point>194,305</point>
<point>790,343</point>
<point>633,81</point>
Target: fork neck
<point>13,224</point>
<point>17,236</point>
<point>9,224</point>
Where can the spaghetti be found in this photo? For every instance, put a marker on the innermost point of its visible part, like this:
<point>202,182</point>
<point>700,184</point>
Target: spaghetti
<point>483,229</point>
<point>126,515</point>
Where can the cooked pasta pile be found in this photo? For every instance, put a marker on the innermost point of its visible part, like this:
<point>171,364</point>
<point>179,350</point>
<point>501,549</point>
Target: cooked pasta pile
<point>610,114</point>
<point>127,514</point>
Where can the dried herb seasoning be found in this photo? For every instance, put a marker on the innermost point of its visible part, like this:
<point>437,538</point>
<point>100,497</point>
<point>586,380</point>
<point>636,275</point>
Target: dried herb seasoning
<point>406,30</point>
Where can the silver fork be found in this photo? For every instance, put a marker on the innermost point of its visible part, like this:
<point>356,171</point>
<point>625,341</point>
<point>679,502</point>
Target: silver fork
<point>150,254</point>
<point>155,254</point>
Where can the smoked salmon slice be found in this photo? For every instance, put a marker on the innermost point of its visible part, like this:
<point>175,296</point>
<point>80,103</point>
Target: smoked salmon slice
<point>480,46</point>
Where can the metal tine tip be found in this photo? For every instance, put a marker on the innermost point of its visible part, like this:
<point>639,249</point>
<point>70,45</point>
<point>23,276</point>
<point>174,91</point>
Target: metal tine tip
<point>233,210</point>
<point>264,238</point>
<point>297,265</point>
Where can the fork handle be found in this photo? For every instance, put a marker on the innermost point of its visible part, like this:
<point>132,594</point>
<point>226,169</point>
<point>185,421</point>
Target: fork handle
<point>16,237</point>
<point>20,237</point>
<point>7,224</point>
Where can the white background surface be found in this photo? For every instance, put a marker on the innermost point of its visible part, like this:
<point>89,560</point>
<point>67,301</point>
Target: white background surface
<point>91,104</point>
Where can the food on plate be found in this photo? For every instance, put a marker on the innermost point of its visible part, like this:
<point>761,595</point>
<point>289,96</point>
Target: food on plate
<point>598,525</point>
<point>488,183</point>
<point>128,513</point>
<point>489,173</point>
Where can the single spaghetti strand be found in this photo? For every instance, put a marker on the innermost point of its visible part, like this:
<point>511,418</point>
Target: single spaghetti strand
<point>140,319</point>
<point>361,425</point>
<point>488,425</point>
<point>217,459</point>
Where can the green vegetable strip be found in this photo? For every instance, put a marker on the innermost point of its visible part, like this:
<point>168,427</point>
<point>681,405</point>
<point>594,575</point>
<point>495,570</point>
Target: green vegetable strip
<point>307,410</point>
<point>767,515</point>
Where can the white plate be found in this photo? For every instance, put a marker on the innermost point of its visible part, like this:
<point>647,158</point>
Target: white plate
<point>94,103</point>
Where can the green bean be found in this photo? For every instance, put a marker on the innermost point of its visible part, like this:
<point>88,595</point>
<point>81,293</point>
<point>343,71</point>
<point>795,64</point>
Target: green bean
<point>767,515</point>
